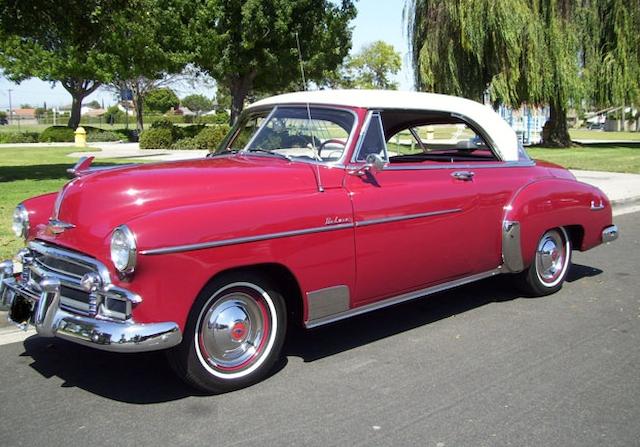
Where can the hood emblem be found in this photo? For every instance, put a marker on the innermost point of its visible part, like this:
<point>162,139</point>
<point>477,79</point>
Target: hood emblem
<point>57,226</point>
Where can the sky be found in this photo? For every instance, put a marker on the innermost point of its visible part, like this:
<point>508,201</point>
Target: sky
<point>376,20</point>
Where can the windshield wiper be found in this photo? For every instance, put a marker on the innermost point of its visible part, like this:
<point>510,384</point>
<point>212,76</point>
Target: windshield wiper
<point>264,151</point>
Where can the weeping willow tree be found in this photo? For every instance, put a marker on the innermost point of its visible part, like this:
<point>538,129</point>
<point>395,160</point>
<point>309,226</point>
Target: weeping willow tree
<point>541,52</point>
<point>613,54</point>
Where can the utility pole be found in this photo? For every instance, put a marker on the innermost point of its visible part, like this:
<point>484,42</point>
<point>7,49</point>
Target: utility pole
<point>10,107</point>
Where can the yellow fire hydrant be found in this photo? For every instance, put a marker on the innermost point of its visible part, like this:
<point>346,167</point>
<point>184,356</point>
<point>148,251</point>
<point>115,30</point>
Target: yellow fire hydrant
<point>80,137</point>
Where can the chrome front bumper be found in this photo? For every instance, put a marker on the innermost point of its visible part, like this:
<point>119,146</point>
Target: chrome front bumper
<point>610,233</point>
<point>52,321</point>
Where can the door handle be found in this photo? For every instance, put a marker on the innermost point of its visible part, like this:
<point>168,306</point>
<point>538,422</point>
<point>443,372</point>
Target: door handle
<point>465,176</point>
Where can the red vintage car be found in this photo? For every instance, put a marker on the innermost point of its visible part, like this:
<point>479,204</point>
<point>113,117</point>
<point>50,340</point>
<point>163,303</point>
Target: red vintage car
<point>317,207</point>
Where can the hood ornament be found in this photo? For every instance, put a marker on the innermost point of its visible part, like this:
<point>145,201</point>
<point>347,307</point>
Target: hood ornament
<point>57,226</point>
<point>81,167</point>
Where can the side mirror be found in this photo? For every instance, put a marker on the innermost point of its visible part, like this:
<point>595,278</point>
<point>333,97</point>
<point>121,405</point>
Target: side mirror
<point>374,162</point>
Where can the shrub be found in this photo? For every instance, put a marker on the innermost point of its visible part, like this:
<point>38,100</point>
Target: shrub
<point>56,134</point>
<point>185,144</point>
<point>18,137</point>
<point>162,123</point>
<point>156,138</point>
<point>190,131</point>
<point>218,118</point>
<point>211,137</point>
<point>104,135</point>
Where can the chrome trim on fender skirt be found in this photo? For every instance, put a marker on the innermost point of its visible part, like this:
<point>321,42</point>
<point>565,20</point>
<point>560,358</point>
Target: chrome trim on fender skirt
<point>364,223</point>
<point>610,233</point>
<point>399,299</point>
<point>105,334</point>
<point>511,249</point>
<point>325,302</point>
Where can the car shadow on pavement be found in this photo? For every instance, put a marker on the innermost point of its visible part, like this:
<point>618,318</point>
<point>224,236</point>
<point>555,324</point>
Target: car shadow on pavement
<point>140,378</point>
<point>361,330</point>
<point>145,378</point>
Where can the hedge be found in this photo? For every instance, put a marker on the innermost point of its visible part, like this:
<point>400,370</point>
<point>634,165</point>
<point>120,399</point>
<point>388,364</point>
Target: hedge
<point>18,137</point>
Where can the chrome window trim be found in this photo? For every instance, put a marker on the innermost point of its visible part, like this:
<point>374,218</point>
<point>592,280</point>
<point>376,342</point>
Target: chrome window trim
<point>338,163</point>
<point>400,299</point>
<point>363,132</point>
<point>487,165</point>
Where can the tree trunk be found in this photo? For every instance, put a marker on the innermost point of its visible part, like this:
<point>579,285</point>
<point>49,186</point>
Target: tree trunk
<point>555,132</point>
<point>138,104</point>
<point>76,105</point>
<point>239,88</point>
<point>79,89</point>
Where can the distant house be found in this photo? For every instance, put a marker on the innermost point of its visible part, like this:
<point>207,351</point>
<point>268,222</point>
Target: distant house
<point>91,112</point>
<point>25,116</point>
<point>184,111</point>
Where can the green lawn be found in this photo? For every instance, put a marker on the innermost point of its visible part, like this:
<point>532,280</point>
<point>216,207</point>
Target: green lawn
<point>613,158</point>
<point>26,172</point>
<point>584,134</point>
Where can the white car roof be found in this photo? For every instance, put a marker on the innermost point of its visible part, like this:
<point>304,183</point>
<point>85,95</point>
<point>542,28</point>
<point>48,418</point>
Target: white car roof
<point>503,137</point>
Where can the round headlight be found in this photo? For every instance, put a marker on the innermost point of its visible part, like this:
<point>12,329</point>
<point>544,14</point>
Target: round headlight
<point>20,224</point>
<point>123,249</point>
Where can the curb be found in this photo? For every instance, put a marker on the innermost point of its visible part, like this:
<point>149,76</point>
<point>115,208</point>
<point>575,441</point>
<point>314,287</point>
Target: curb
<point>626,205</point>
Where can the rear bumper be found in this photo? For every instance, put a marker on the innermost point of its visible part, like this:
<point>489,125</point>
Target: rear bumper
<point>610,233</point>
<point>50,320</point>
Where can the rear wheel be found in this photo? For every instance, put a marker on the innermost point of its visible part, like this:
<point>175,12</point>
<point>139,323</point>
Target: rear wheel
<point>550,265</point>
<point>234,334</point>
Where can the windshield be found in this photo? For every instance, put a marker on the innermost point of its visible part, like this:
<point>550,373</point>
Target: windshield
<point>302,133</point>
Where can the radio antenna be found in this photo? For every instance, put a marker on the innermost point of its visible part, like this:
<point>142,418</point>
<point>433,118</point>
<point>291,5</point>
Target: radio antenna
<point>313,140</point>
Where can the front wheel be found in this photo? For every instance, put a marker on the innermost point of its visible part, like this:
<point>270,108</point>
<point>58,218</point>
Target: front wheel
<point>550,265</point>
<point>234,334</point>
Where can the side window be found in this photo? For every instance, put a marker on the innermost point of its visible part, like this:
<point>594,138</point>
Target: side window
<point>373,140</point>
<point>439,141</point>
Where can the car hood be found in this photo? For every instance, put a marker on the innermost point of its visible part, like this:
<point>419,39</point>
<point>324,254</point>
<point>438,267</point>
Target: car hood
<point>98,202</point>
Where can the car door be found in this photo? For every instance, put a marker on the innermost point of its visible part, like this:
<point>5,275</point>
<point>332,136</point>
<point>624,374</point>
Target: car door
<point>413,225</point>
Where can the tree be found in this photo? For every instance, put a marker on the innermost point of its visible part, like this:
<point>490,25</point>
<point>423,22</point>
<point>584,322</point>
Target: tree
<point>161,100</point>
<point>538,52</point>
<point>248,45</point>
<point>374,65</point>
<point>153,53</point>
<point>59,42</point>
<point>197,103</point>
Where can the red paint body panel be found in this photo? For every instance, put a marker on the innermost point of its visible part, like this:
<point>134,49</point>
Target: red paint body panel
<point>456,229</point>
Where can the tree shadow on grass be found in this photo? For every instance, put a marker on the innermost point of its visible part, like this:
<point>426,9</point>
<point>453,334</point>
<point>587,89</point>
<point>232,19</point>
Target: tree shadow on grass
<point>40,172</point>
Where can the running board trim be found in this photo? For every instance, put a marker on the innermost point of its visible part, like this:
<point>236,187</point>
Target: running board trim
<point>400,298</point>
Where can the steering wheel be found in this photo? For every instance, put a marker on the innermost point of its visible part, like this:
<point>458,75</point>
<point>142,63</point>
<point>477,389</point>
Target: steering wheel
<point>334,141</point>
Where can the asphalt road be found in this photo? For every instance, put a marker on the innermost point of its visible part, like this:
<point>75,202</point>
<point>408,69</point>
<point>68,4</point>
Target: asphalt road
<point>478,366</point>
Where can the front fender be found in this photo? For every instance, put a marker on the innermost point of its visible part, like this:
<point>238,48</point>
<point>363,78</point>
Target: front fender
<point>40,209</point>
<point>549,203</point>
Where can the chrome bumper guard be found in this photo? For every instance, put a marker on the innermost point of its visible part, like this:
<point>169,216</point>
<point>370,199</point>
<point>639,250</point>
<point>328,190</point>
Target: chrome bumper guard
<point>52,321</point>
<point>610,233</point>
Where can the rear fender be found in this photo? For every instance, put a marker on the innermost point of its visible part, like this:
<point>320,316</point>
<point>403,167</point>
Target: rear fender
<point>549,203</point>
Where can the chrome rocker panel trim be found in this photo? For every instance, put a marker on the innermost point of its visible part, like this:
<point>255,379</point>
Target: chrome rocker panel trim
<point>104,334</point>
<point>400,299</point>
<point>610,234</point>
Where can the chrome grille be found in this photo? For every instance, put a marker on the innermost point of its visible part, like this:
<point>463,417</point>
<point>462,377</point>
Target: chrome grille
<point>67,266</point>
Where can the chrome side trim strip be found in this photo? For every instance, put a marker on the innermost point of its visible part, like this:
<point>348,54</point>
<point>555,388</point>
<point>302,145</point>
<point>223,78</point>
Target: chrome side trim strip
<point>399,299</point>
<point>364,223</point>
<point>244,240</point>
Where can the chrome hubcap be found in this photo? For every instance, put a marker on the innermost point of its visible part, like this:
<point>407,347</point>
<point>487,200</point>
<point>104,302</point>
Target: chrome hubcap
<point>551,257</point>
<point>232,332</point>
